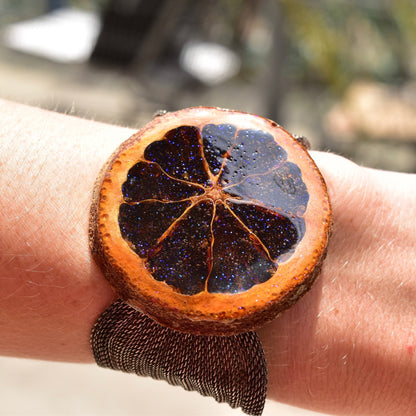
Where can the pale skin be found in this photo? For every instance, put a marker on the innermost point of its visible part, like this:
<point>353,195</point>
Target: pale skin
<point>347,347</point>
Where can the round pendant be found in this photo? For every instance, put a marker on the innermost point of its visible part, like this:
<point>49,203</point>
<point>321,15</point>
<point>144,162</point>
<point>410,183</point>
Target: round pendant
<point>210,221</point>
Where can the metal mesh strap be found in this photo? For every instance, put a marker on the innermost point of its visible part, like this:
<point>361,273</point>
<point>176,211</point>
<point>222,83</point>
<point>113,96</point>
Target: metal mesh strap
<point>231,369</point>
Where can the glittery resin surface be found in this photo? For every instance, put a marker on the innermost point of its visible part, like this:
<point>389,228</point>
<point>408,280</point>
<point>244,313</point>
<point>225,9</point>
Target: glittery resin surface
<point>215,209</point>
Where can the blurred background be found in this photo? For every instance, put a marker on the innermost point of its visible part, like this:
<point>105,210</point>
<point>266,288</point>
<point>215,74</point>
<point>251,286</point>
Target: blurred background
<point>340,72</point>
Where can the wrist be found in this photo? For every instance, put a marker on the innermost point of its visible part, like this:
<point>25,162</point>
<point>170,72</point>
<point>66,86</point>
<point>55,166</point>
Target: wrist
<point>347,347</point>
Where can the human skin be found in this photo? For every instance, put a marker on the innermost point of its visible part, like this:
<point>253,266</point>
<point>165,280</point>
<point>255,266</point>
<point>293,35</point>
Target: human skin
<point>347,347</point>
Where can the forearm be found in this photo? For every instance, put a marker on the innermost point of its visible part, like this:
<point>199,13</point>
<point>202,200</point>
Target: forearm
<point>348,345</point>
<point>51,291</point>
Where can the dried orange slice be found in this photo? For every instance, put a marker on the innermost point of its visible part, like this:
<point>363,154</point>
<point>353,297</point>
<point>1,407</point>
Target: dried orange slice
<point>210,221</point>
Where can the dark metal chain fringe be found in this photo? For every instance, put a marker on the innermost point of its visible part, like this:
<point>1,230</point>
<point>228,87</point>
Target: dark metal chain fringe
<point>231,369</point>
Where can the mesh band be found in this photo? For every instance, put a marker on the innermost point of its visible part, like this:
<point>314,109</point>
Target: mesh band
<point>231,369</point>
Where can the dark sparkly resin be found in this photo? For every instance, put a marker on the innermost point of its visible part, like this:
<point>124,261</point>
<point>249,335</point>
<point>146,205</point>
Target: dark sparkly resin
<point>213,210</point>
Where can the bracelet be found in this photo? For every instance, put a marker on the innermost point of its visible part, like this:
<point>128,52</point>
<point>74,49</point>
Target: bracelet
<point>208,223</point>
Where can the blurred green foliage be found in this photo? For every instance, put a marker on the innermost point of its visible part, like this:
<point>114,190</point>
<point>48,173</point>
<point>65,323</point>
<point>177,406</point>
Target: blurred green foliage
<point>88,4</point>
<point>336,41</point>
